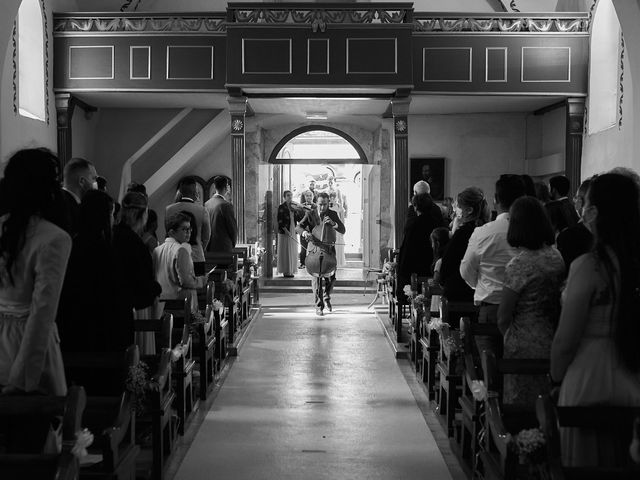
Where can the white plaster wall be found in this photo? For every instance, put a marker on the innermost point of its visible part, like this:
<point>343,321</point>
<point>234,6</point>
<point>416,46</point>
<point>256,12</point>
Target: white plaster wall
<point>477,148</point>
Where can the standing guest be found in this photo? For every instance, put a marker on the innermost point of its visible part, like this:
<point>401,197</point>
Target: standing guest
<point>432,209</point>
<point>87,313</point>
<point>137,188</point>
<point>308,205</point>
<point>576,240</point>
<point>488,252</point>
<point>529,186</point>
<point>149,235</point>
<point>137,287</point>
<point>447,210</point>
<point>416,255</point>
<point>188,190</point>
<point>312,219</point>
<point>530,302</point>
<point>336,206</point>
<point>34,252</point>
<point>224,229</point>
<point>473,212</point>
<point>439,241</point>
<point>173,262</point>
<point>595,350</point>
<point>311,187</point>
<point>542,192</point>
<point>79,177</point>
<point>288,215</point>
<point>560,209</point>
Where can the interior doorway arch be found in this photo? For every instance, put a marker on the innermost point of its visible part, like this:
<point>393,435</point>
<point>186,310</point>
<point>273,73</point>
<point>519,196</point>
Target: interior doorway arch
<point>274,157</point>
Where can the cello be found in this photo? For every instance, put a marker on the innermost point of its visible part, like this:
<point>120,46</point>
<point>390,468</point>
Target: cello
<point>321,258</point>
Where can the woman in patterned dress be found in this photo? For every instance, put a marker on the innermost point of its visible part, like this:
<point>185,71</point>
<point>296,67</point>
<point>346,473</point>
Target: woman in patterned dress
<point>530,304</point>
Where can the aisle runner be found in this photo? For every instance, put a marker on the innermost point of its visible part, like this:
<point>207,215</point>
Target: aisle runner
<point>314,398</point>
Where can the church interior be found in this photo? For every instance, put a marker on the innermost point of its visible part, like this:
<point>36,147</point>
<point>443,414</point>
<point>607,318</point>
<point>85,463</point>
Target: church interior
<point>347,240</point>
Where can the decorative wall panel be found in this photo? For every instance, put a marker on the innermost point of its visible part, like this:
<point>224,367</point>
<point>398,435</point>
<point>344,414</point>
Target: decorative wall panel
<point>140,63</point>
<point>266,56</point>
<point>447,64</point>
<point>546,64</point>
<point>360,60</point>
<point>496,64</point>
<point>91,62</point>
<point>190,62</point>
<point>318,56</point>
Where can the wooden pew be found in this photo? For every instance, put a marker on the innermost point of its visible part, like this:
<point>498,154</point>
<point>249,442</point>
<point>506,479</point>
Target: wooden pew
<point>499,462</point>
<point>227,262</point>
<point>419,284</point>
<point>108,412</point>
<point>449,373</point>
<point>184,364</point>
<point>36,411</point>
<point>613,421</point>
<point>204,343</point>
<point>470,407</point>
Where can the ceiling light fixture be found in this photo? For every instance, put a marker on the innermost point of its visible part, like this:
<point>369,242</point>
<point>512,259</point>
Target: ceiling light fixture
<point>316,115</point>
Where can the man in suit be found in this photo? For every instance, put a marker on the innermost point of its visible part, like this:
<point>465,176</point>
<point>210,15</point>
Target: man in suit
<point>561,210</point>
<point>79,177</point>
<point>576,240</point>
<point>188,198</point>
<point>321,215</point>
<point>312,190</point>
<point>224,228</point>
<point>433,210</point>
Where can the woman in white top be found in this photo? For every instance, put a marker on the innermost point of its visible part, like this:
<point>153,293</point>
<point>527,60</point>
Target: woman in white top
<point>34,251</point>
<point>337,207</point>
<point>173,263</point>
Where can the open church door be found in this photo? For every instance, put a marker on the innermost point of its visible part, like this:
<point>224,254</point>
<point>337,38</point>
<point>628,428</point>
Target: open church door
<point>371,216</point>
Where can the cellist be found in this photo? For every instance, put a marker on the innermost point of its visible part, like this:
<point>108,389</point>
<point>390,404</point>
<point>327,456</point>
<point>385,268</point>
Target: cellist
<point>313,218</point>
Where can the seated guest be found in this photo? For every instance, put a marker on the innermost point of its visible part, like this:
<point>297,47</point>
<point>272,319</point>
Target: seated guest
<point>439,241</point>
<point>472,212</point>
<point>561,211</point>
<point>87,311</point>
<point>34,251</point>
<point>530,303</point>
<point>576,240</point>
<point>79,177</point>
<point>595,350</point>
<point>542,193</point>
<point>149,235</point>
<point>136,284</point>
<point>488,253</point>
<point>415,254</point>
<point>173,262</point>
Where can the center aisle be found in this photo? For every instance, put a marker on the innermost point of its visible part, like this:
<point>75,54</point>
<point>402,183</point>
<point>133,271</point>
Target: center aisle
<point>314,398</point>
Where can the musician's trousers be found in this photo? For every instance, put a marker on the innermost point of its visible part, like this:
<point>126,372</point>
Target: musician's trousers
<point>303,250</point>
<point>322,288</point>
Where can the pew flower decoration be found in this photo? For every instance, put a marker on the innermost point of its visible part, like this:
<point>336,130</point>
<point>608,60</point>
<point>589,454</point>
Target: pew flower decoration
<point>218,305</point>
<point>408,292</point>
<point>137,383</point>
<point>529,445</point>
<point>84,439</point>
<point>436,324</point>
<point>419,302</point>
<point>177,352</point>
<point>478,390</point>
<point>389,268</point>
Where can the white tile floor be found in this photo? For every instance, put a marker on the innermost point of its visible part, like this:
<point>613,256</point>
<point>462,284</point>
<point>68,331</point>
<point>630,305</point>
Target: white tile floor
<point>314,398</point>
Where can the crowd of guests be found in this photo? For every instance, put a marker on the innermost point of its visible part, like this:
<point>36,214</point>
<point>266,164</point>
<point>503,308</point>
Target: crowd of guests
<point>559,278</point>
<point>76,267</point>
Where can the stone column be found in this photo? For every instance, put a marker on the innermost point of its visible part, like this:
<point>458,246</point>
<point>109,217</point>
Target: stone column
<point>400,111</point>
<point>65,105</point>
<point>573,147</point>
<point>237,110</point>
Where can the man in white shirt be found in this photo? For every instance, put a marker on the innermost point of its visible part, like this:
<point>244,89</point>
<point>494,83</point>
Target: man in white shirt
<point>488,252</point>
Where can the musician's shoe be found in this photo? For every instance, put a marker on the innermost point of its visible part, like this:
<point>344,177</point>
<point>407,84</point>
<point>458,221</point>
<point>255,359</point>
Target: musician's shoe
<point>288,276</point>
<point>327,305</point>
<point>319,312</point>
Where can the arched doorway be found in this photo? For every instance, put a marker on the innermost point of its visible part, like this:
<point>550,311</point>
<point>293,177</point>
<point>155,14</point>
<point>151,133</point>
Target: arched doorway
<point>338,165</point>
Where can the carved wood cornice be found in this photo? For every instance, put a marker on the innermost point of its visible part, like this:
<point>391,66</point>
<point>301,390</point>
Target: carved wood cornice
<point>501,23</point>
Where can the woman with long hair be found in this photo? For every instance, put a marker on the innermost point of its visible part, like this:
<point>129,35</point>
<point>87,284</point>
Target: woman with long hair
<point>87,304</point>
<point>34,250</point>
<point>595,350</point>
<point>472,211</point>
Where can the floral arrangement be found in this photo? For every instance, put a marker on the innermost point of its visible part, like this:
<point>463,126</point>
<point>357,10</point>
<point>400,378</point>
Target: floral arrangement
<point>478,390</point>
<point>218,305</point>
<point>84,439</point>
<point>529,445</point>
<point>419,302</point>
<point>436,324</point>
<point>408,292</point>
<point>137,382</point>
<point>389,268</point>
<point>452,345</point>
<point>177,352</point>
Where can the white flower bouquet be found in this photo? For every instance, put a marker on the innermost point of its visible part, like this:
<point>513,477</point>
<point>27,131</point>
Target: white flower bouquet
<point>478,390</point>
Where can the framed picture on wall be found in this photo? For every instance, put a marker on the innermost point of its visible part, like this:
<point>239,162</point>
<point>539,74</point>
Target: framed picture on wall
<point>431,170</point>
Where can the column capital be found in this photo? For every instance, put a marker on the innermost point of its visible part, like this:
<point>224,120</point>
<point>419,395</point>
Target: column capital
<point>65,105</point>
<point>237,105</point>
<point>400,106</point>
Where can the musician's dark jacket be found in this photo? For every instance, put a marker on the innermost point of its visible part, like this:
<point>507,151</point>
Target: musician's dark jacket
<point>313,219</point>
<point>284,217</point>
